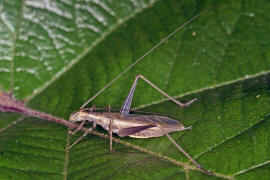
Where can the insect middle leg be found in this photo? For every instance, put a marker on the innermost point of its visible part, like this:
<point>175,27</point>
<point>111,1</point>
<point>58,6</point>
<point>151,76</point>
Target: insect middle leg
<point>127,103</point>
<point>110,130</point>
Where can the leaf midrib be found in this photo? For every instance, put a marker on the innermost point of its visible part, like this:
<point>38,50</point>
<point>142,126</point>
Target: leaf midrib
<point>85,52</point>
<point>15,37</point>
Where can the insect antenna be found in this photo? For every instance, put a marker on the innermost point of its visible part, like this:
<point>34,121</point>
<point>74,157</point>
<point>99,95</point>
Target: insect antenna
<point>140,58</point>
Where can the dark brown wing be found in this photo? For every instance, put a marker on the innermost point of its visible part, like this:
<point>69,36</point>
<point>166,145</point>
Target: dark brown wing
<point>132,130</point>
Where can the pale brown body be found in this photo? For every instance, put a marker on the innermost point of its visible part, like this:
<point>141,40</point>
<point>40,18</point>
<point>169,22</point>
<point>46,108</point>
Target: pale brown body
<point>122,121</point>
<point>136,126</point>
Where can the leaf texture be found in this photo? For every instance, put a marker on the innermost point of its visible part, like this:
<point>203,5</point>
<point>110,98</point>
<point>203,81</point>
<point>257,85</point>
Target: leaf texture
<point>57,54</point>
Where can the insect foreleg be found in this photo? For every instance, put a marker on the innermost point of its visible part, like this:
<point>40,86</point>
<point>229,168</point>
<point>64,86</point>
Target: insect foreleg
<point>85,133</point>
<point>78,128</point>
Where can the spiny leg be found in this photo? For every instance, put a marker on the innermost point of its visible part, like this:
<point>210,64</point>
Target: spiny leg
<point>85,133</point>
<point>166,95</point>
<point>126,107</point>
<point>184,152</point>
<point>127,103</point>
<point>180,148</point>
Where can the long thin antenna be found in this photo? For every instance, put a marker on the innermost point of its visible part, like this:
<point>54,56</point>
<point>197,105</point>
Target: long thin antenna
<point>139,59</point>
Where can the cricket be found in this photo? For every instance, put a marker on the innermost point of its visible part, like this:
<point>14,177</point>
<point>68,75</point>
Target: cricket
<point>125,124</point>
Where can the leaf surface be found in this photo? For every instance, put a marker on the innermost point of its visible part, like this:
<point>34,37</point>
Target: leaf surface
<point>57,54</point>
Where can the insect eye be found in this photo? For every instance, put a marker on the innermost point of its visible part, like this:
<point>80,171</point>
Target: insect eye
<point>73,116</point>
<point>86,110</point>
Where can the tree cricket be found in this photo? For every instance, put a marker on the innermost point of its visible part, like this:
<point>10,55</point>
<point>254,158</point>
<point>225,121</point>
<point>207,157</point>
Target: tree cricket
<point>136,126</point>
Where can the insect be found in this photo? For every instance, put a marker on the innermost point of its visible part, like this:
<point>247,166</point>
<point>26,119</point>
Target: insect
<point>132,125</point>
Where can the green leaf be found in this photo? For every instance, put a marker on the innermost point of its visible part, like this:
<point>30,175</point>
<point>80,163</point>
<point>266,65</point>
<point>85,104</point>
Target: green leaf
<point>57,54</point>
